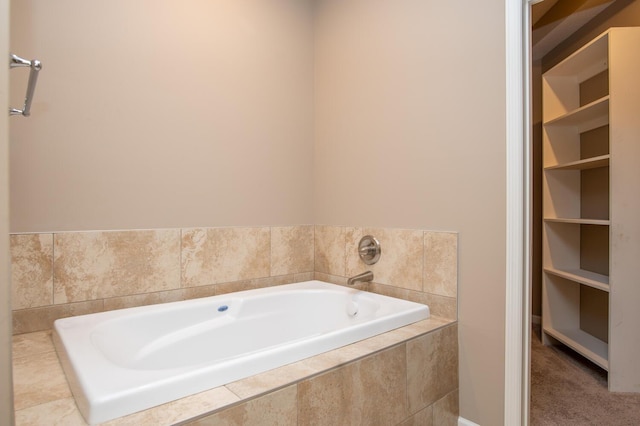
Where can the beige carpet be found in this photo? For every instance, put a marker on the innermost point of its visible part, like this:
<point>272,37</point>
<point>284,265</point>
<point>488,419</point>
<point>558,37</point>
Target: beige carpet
<point>568,390</point>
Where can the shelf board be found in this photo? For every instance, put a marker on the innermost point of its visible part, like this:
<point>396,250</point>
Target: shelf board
<point>585,344</point>
<point>589,163</point>
<point>603,222</point>
<point>589,112</point>
<point>591,279</point>
<point>593,55</point>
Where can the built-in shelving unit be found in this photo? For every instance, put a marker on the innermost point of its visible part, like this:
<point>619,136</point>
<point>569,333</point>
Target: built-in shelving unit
<point>591,204</point>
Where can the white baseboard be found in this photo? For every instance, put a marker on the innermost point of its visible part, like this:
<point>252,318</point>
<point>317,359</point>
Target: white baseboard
<point>464,422</point>
<point>536,319</point>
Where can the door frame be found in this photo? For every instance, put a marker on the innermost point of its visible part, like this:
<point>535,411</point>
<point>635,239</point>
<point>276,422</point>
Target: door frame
<point>518,244</point>
<point>6,384</point>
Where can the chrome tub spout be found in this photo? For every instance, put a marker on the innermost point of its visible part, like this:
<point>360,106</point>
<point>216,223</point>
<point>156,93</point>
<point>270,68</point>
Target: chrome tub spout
<point>363,277</point>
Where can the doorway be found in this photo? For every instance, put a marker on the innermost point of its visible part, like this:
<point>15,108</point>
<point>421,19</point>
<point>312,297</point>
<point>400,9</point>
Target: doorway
<point>558,28</point>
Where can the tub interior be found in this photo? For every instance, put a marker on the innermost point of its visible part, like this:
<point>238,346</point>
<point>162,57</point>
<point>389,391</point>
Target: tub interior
<point>208,331</point>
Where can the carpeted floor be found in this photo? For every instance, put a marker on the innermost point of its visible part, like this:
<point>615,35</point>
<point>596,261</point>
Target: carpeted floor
<point>568,390</point>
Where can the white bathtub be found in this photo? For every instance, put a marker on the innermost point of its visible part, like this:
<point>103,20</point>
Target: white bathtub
<point>124,361</point>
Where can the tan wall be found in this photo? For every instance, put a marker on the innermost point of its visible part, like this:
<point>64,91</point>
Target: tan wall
<point>156,114</point>
<point>410,134</point>
<point>6,388</point>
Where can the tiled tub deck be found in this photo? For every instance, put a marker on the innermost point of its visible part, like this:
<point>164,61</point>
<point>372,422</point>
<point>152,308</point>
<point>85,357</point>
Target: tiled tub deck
<point>408,376</point>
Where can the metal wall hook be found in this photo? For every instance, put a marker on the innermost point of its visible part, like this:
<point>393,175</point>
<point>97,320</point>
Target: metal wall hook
<point>15,62</point>
<point>369,249</point>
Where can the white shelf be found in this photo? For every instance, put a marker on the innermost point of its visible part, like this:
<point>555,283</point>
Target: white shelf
<point>589,163</point>
<point>594,112</point>
<point>585,344</point>
<point>591,174</point>
<point>591,279</point>
<point>585,62</point>
<point>578,221</point>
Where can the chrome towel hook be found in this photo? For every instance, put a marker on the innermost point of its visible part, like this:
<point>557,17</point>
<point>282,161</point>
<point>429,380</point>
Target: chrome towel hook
<point>14,62</point>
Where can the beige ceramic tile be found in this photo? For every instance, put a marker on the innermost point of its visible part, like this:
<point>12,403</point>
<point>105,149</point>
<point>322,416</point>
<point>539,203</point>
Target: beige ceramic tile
<point>445,410</point>
<point>61,412</point>
<point>337,357</point>
<point>331,279</point>
<point>290,373</point>
<point>39,319</point>
<point>272,281</point>
<point>198,292</point>
<point>353,264</point>
<point>132,301</point>
<point>236,286</point>
<point>277,408</point>
<point>442,306</point>
<point>388,339</point>
<point>219,255</point>
<point>422,368</point>
<point>179,410</point>
<point>426,326</point>
<point>421,418</point>
<point>304,276</point>
<point>31,270</point>
<point>188,293</point>
<point>38,379</point>
<point>441,263</point>
<point>272,379</point>
<point>448,372</point>
<point>397,292</point>
<point>32,344</point>
<point>432,367</point>
<point>400,264</point>
<point>291,250</point>
<point>97,265</point>
<point>371,391</point>
<point>329,246</point>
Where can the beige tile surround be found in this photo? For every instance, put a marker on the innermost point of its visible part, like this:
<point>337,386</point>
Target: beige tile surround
<point>55,275</point>
<point>415,265</point>
<point>64,274</point>
<point>406,377</point>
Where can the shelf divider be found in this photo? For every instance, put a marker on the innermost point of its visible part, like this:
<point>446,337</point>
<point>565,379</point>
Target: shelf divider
<point>579,221</point>
<point>598,109</point>
<point>588,163</point>
<point>582,342</point>
<point>588,278</point>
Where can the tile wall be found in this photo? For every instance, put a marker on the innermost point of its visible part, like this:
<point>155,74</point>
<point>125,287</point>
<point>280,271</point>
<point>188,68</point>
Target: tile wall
<point>416,265</point>
<point>55,275</point>
<point>413,383</point>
